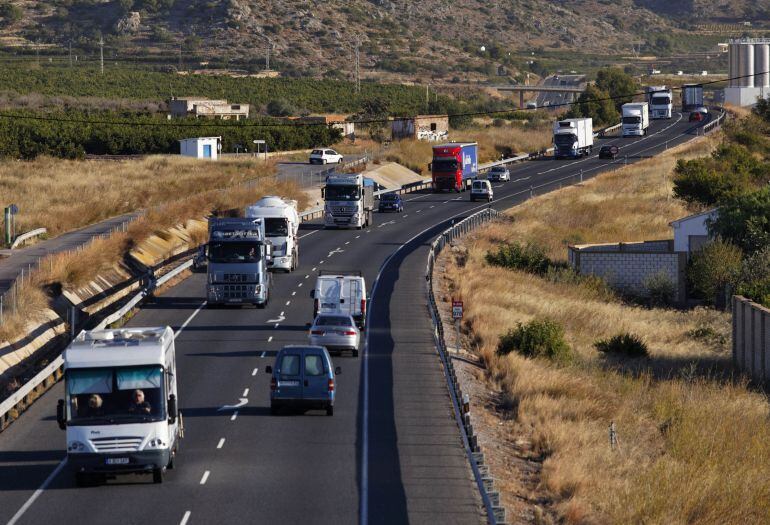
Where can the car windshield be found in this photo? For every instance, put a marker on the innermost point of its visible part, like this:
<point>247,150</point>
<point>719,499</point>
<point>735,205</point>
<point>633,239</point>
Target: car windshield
<point>234,252</point>
<point>343,193</point>
<point>498,169</point>
<point>103,396</point>
<point>276,227</point>
<point>333,320</point>
<point>564,139</point>
<point>444,165</point>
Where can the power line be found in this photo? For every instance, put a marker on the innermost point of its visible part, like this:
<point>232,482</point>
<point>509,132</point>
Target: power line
<point>284,123</point>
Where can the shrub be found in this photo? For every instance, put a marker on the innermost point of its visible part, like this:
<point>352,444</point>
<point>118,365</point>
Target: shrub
<point>624,344</point>
<point>661,290</point>
<point>525,257</point>
<point>713,268</point>
<point>755,277</point>
<point>745,221</point>
<point>538,338</point>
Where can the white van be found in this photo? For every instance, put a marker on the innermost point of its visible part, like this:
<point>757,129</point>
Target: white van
<point>481,189</point>
<point>340,293</point>
<point>120,406</point>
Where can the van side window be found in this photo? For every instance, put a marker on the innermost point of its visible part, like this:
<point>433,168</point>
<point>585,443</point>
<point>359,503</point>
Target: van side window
<point>314,365</point>
<point>290,365</point>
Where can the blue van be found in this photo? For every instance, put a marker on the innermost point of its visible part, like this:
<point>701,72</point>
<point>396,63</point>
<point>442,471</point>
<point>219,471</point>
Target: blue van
<point>303,377</point>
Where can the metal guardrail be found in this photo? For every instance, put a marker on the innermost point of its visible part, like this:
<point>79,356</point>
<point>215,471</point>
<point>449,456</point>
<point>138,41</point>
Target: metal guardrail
<point>27,236</point>
<point>484,482</point>
<point>717,122</point>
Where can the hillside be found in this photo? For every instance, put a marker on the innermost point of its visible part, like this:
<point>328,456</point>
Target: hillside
<point>440,38</point>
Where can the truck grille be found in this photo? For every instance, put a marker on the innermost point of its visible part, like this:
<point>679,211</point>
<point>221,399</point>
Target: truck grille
<point>117,444</point>
<point>238,277</point>
<point>237,291</point>
<point>342,210</point>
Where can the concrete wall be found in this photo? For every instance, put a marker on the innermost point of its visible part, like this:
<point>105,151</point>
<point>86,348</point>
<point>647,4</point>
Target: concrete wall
<point>751,338</point>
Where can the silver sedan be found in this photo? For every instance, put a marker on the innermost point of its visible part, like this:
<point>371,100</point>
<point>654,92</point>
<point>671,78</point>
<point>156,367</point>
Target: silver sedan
<point>336,332</point>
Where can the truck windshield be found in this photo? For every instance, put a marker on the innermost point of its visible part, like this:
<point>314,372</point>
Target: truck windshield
<point>234,252</point>
<point>632,120</point>
<point>564,139</point>
<point>444,165</point>
<point>276,227</point>
<point>105,396</point>
<point>342,193</point>
<point>660,101</point>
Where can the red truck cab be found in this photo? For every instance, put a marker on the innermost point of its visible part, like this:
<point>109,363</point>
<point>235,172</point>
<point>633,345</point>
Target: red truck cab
<point>453,164</point>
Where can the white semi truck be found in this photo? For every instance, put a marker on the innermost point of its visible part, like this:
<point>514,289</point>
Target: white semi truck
<point>636,118</point>
<point>281,226</point>
<point>661,102</point>
<point>120,409</point>
<point>348,201</point>
<point>573,137</point>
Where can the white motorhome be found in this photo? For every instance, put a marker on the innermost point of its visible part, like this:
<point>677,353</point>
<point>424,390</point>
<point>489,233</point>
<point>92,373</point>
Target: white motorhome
<point>661,102</point>
<point>573,137</point>
<point>636,118</point>
<point>120,407</point>
<point>281,226</point>
<point>340,292</point>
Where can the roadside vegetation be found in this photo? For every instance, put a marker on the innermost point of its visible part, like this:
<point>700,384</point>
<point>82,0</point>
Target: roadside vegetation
<point>602,101</point>
<point>570,357</point>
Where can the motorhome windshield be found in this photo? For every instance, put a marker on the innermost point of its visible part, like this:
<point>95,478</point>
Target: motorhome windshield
<point>632,120</point>
<point>662,100</point>
<point>445,165</point>
<point>234,252</point>
<point>106,396</point>
<point>276,227</point>
<point>343,193</point>
<point>564,139</point>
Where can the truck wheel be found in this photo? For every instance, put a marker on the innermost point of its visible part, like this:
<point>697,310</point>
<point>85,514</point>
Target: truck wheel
<point>273,409</point>
<point>83,479</point>
<point>355,353</point>
<point>172,460</point>
<point>330,410</point>
<point>157,475</point>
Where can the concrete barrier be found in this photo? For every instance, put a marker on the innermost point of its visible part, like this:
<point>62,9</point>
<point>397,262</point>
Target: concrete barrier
<point>751,338</point>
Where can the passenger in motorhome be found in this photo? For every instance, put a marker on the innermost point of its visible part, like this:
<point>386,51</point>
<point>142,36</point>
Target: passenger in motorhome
<point>95,403</point>
<point>138,405</point>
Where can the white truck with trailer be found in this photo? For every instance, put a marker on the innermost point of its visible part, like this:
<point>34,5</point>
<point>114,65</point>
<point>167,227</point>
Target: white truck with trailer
<point>340,292</point>
<point>635,119</point>
<point>573,137</point>
<point>661,102</point>
<point>281,225</point>
<point>348,201</point>
<point>120,409</point>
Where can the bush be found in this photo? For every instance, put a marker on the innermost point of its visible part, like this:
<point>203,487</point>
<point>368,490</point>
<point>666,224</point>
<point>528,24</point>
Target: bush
<point>712,269</point>
<point>745,221</point>
<point>525,257</point>
<point>661,290</point>
<point>624,344</point>
<point>755,277</point>
<point>538,338</point>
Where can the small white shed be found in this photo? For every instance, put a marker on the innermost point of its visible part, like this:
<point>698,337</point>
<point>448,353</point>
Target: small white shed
<point>691,232</point>
<point>200,147</point>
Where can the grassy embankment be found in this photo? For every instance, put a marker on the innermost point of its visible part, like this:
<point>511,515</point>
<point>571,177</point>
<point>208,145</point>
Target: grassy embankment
<point>63,195</point>
<point>694,443</point>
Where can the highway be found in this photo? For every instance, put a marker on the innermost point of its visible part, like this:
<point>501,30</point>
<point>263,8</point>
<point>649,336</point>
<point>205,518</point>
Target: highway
<point>554,99</point>
<point>392,451</point>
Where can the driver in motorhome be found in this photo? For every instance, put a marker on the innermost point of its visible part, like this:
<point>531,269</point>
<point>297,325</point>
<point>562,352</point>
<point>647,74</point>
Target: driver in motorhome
<point>138,405</point>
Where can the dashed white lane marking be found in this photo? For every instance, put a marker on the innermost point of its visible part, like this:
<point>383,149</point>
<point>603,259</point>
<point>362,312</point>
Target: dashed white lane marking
<point>288,303</point>
<point>221,442</point>
<point>299,285</point>
<point>433,206</point>
<point>269,339</point>
<point>321,262</point>
<point>347,242</point>
<point>185,518</point>
<point>405,216</point>
<point>282,312</point>
<point>205,477</point>
<point>307,276</point>
<point>293,293</point>
<point>254,372</point>
<point>358,236</point>
<point>245,392</point>
<point>235,415</point>
<point>277,325</point>
<point>37,493</point>
<point>418,211</point>
<point>314,269</point>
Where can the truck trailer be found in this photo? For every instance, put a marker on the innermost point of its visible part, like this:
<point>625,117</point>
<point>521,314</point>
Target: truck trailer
<point>636,119</point>
<point>573,137</point>
<point>348,201</point>
<point>281,225</point>
<point>692,96</point>
<point>453,165</point>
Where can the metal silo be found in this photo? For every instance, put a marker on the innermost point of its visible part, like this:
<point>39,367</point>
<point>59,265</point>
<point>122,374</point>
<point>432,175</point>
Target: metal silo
<point>762,65</point>
<point>746,65</point>
<point>733,52</point>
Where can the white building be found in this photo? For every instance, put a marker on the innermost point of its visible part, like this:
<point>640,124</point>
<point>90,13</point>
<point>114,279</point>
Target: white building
<point>201,147</point>
<point>691,232</point>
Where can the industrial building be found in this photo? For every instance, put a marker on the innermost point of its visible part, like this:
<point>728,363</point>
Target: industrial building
<point>339,122</point>
<point>206,108</point>
<point>422,127</point>
<point>749,60</point>
<point>201,147</point>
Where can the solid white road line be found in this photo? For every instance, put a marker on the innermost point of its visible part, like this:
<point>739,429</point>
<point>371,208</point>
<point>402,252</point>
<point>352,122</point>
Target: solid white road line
<point>245,392</point>
<point>37,493</point>
<point>222,440</point>
<point>185,518</point>
<point>205,477</point>
<point>192,316</point>
<point>235,415</point>
<point>308,234</point>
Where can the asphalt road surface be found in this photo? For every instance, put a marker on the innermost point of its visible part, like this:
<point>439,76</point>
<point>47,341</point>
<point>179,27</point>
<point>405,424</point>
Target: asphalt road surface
<point>555,98</point>
<point>392,451</point>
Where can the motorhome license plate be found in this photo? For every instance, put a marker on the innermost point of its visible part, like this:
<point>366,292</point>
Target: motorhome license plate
<point>328,305</point>
<point>117,461</point>
<point>288,383</point>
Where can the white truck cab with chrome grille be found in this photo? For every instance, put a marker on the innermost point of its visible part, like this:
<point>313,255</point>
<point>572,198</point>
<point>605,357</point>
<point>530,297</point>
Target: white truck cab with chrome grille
<point>120,407</point>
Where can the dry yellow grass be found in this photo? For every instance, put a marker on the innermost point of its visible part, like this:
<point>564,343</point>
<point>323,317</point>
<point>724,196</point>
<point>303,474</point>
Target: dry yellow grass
<point>693,444</point>
<point>62,195</point>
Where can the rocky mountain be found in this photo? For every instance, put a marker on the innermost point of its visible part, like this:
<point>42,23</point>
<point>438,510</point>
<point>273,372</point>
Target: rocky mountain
<point>436,38</point>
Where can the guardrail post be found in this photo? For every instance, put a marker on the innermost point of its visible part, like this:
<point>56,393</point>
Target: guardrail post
<point>531,191</point>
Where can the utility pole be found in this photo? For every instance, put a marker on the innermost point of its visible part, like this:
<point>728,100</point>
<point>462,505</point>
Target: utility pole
<point>70,48</point>
<point>358,65</point>
<point>101,52</point>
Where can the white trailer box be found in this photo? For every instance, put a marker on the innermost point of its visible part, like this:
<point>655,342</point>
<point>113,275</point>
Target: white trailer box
<point>281,226</point>
<point>573,137</point>
<point>661,102</point>
<point>636,119</point>
<point>120,407</point>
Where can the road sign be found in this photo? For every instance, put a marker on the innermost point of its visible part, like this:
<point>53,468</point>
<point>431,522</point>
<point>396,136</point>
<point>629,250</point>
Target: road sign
<point>457,309</point>
<point>13,209</point>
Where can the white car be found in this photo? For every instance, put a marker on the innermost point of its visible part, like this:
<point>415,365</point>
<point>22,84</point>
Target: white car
<point>325,156</point>
<point>335,332</point>
<point>499,174</point>
<point>482,189</point>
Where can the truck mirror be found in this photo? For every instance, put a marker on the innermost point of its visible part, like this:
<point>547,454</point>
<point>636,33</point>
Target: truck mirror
<point>268,369</point>
<point>60,417</point>
<point>172,409</point>
<point>337,371</point>
<point>312,294</point>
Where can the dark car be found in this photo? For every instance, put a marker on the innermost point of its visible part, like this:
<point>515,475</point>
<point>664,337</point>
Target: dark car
<point>608,152</point>
<point>391,202</point>
<point>697,116</point>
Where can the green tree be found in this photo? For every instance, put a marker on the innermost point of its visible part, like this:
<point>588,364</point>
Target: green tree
<point>745,221</point>
<point>280,107</point>
<point>618,84</point>
<point>595,103</point>
<point>10,13</point>
<point>755,277</point>
<point>714,268</point>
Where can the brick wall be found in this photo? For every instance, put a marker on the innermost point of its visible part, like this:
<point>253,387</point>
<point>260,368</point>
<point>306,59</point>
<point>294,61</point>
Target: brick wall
<point>751,338</point>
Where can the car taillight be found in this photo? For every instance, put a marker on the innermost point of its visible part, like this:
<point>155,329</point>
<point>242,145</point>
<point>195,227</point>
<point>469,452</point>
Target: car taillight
<point>317,332</point>
<point>331,385</point>
<point>349,332</point>
<point>273,383</point>
<point>363,307</point>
